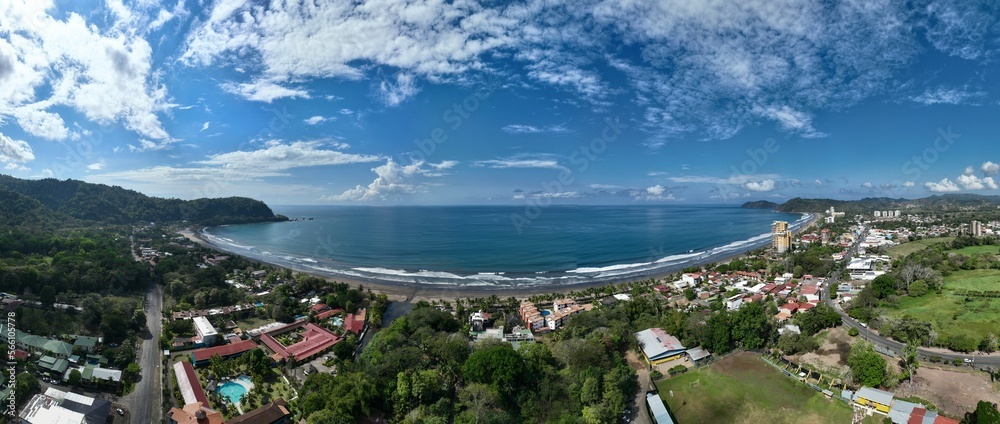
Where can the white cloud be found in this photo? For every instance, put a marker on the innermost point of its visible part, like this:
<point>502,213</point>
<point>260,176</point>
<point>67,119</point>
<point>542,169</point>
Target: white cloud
<point>990,168</point>
<point>394,93</point>
<point>605,186</point>
<point>530,129</point>
<point>264,91</point>
<point>763,185</point>
<point>318,119</point>
<point>972,182</point>
<point>97,166</point>
<point>41,123</point>
<point>867,184</point>
<point>909,184</point>
<point>446,164</point>
<point>737,179</point>
<point>818,182</point>
<point>657,192</point>
<point>105,75</point>
<point>293,40</point>
<point>205,126</point>
<point>948,96</point>
<point>282,156</point>
<point>943,186</point>
<point>521,161</point>
<point>392,181</point>
<point>791,120</point>
<point>14,153</point>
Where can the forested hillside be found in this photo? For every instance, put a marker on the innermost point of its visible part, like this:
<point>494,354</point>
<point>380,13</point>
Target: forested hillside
<point>47,201</point>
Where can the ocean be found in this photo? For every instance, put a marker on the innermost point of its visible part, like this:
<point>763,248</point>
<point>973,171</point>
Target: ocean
<point>499,246</point>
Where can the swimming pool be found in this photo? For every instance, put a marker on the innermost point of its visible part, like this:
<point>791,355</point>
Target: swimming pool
<point>234,390</point>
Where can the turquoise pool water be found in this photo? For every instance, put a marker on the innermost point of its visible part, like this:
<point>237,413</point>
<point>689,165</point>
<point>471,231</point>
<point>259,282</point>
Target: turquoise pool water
<point>234,390</point>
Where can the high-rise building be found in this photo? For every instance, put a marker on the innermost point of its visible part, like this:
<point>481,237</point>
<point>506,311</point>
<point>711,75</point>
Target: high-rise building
<point>781,238</point>
<point>977,229</point>
<point>825,235</point>
<point>878,214</point>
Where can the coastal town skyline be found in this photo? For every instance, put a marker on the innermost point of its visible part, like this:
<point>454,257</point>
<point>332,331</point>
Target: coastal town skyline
<point>467,103</point>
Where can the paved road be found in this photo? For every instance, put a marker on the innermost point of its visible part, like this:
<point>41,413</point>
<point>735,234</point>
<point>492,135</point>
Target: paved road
<point>145,402</point>
<point>982,362</point>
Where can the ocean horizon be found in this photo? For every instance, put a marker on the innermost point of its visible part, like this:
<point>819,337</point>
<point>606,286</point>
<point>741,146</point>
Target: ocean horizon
<point>501,247</point>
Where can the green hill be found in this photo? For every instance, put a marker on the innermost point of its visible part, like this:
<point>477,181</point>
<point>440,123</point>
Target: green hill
<point>49,200</point>
<point>937,203</point>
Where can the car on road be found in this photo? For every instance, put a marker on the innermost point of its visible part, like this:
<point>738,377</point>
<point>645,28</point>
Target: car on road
<point>969,360</point>
<point>120,411</point>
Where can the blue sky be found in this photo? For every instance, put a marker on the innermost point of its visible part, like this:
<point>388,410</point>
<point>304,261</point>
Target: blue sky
<point>529,102</point>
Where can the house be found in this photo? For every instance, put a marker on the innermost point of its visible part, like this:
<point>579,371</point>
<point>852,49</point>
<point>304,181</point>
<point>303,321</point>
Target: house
<point>789,308</point>
<point>810,292</point>
<point>903,412</point>
<point>479,321</point>
<point>355,322</point>
<point>187,383</point>
<point>275,412</point>
<point>531,316</point>
<point>319,307</point>
<point>877,400</point>
<point>697,354</point>
<point>57,406</point>
<point>692,279</point>
<point>232,350</point>
<point>563,303</point>
<point>657,410</point>
<point>658,346</point>
<point>195,413</point>
<point>733,303</point>
<point>52,365</point>
<point>85,343</point>
<point>558,318</point>
<point>328,313</point>
<point>315,340</point>
<point>95,375</point>
<point>205,330</point>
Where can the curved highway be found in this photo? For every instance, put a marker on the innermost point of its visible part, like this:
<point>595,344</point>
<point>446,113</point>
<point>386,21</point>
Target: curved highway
<point>978,361</point>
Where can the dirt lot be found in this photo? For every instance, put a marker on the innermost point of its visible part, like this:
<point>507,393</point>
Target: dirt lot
<point>953,391</point>
<point>832,353</point>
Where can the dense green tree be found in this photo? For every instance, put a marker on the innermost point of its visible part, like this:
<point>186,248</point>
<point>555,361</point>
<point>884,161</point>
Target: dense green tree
<point>499,366</point>
<point>985,413</point>
<point>751,326</point>
<point>75,377</point>
<point>884,286</point>
<point>867,366</point>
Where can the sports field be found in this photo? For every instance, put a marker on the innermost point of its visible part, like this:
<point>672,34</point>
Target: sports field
<point>742,388</point>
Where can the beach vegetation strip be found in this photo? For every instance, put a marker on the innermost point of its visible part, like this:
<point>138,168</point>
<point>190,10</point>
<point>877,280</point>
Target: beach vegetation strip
<point>741,388</point>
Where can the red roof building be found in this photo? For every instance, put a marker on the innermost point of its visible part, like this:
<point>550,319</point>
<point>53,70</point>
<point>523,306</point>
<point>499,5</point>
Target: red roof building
<point>201,356</point>
<point>355,323</point>
<point>315,340</point>
<point>328,313</point>
<point>803,307</point>
<point>319,307</point>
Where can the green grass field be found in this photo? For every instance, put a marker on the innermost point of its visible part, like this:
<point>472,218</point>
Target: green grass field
<point>951,314</point>
<point>904,249</point>
<point>976,250</point>
<point>742,388</point>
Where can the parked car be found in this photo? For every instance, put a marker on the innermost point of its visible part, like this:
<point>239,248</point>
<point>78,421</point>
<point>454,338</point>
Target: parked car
<point>120,411</point>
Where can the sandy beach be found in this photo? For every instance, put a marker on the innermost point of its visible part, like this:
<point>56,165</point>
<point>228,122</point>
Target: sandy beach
<point>398,292</point>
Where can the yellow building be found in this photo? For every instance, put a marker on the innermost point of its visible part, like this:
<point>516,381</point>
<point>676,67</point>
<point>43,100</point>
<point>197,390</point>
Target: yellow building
<point>781,238</point>
<point>878,400</point>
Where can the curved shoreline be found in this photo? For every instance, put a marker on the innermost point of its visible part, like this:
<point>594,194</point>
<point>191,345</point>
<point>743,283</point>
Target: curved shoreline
<point>416,290</point>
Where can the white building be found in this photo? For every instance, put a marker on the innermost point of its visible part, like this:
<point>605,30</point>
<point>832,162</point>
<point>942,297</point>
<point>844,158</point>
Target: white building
<point>733,303</point>
<point>205,330</point>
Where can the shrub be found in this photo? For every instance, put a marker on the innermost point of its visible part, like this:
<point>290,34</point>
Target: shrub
<point>853,332</point>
